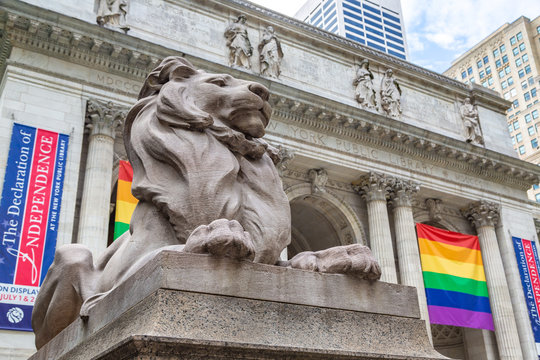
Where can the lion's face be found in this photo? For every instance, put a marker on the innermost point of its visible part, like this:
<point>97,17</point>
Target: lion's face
<point>238,104</point>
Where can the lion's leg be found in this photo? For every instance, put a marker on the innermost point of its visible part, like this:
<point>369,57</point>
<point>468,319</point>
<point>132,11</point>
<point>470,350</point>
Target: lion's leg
<point>221,237</point>
<point>353,259</point>
<point>69,281</point>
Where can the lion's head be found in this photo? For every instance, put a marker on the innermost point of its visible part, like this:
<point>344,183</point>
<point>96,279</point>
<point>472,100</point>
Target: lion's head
<point>186,138</point>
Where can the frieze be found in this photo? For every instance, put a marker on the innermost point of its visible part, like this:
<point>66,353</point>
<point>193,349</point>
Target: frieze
<point>373,132</point>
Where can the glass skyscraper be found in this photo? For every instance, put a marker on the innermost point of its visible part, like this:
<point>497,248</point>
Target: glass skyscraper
<point>377,24</point>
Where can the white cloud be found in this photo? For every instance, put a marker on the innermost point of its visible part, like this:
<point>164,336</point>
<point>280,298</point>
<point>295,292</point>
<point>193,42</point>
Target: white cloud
<point>460,24</point>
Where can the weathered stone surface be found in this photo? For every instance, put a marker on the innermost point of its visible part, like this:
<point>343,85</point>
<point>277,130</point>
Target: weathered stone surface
<point>199,307</point>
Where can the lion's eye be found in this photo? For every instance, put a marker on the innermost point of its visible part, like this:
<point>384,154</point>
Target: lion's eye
<point>218,82</point>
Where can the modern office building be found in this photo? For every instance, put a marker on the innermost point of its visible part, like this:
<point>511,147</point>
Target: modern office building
<point>377,24</point>
<point>508,62</point>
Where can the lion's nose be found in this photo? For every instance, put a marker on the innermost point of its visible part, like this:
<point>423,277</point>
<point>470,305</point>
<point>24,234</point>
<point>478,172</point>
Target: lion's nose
<point>259,90</point>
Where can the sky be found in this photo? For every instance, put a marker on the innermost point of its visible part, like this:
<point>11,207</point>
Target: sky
<point>439,31</point>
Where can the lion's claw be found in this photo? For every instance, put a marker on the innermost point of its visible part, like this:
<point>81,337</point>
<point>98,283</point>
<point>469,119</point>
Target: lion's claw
<point>221,237</point>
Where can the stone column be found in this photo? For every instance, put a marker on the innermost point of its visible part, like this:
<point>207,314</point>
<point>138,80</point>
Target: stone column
<point>485,215</point>
<point>374,188</point>
<point>410,268</point>
<point>103,119</point>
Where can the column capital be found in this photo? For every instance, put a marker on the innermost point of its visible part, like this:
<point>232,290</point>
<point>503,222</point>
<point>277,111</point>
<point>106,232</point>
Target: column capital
<point>482,213</point>
<point>402,191</point>
<point>373,186</point>
<point>104,118</point>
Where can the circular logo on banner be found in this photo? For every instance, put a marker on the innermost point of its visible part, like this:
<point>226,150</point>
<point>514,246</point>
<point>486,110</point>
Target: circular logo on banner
<point>15,315</point>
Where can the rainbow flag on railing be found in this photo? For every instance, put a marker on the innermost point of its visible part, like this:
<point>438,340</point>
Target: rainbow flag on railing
<point>125,202</point>
<point>454,278</point>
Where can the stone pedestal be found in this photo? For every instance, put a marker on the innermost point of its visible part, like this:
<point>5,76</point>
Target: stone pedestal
<point>186,306</point>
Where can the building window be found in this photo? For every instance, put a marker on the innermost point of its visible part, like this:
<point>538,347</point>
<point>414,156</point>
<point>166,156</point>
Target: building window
<point>488,70</point>
<point>503,48</point>
<point>535,114</point>
<point>524,84</point>
<point>512,40</point>
<point>513,140</point>
<point>521,73</point>
<point>463,75</point>
<point>536,187</point>
<point>501,74</point>
<point>510,81</point>
<point>507,69</point>
<point>525,58</point>
<point>513,92</point>
<point>506,96</point>
<point>519,36</point>
<point>538,29</point>
<point>530,130</point>
<point>515,51</point>
<point>484,84</point>
<point>518,62</point>
<point>531,80</point>
<point>528,118</point>
<point>504,84</point>
<point>533,92</point>
<point>510,128</point>
<point>515,103</point>
<point>527,96</point>
<point>479,64</point>
<point>481,74</point>
<point>469,70</point>
<point>527,69</point>
<point>495,53</point>
<point>516,125</point>
<point>522,47</point>
<point>519,138</point>
<point>522,149</point>
<point>534,143</point>
<point>490,81</point>
<point>498,63</point>
<point>537,196</point>
<point>471,80</point>
<point>486,60</point>
<point>505,59</point>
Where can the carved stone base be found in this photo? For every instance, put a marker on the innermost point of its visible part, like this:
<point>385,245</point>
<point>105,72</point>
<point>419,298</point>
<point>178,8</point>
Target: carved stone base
<point>187,306</point>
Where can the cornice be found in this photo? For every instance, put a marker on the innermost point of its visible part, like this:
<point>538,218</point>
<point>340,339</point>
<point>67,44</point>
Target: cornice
<point>382,132</point>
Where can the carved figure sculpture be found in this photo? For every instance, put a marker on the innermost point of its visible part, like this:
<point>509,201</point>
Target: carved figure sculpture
<point>318,178</point>
<point>240,49</point>
<point>203,178</point>
<point>469,115</point>
<point>364,92</point>
<point>270,54</point>
<point>390,94</point>
<point>113,13</point>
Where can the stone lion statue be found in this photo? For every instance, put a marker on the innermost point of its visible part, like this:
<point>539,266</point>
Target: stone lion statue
<point>204,178</point>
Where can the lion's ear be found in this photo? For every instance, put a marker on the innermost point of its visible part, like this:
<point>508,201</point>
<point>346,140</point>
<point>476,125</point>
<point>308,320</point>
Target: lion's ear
<point>182,72</point>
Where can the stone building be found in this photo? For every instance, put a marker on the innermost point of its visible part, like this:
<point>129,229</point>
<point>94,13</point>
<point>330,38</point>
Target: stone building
<point>371,144</point>
<point>508,62</point>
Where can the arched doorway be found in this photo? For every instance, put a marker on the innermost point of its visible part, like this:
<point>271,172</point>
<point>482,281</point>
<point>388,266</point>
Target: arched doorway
<point>320,221</point>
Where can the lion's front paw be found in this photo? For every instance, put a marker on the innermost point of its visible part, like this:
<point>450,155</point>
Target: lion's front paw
<point>353,259</point>
<point>221,237</point>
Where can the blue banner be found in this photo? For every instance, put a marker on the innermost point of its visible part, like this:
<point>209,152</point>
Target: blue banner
<point>528,265</point>
<point>29,213</point>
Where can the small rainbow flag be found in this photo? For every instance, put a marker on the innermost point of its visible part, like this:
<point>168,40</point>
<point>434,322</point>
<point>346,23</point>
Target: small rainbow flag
<point>125,202</point>
<point>454,278</point>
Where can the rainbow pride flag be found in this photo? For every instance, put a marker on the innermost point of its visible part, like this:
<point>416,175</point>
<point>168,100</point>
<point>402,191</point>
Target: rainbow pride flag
<point>125,202</point>
<point>454,278</point>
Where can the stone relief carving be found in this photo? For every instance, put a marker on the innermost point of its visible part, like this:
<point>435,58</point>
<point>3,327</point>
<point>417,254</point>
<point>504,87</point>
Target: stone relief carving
<point>240,49</point>
<point>390,95</point>
<point>469,115</point>
<point>318,178</point>
<point>204,178</point>
<point>482,213</point>
<point>402,191</point>
<point>364,91</point>
<point>113,13</point>
<point>373,186</point>
<point>104,118</point>
<point>434,207</point>
<point>270,54</point>
<point>285,157</point>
